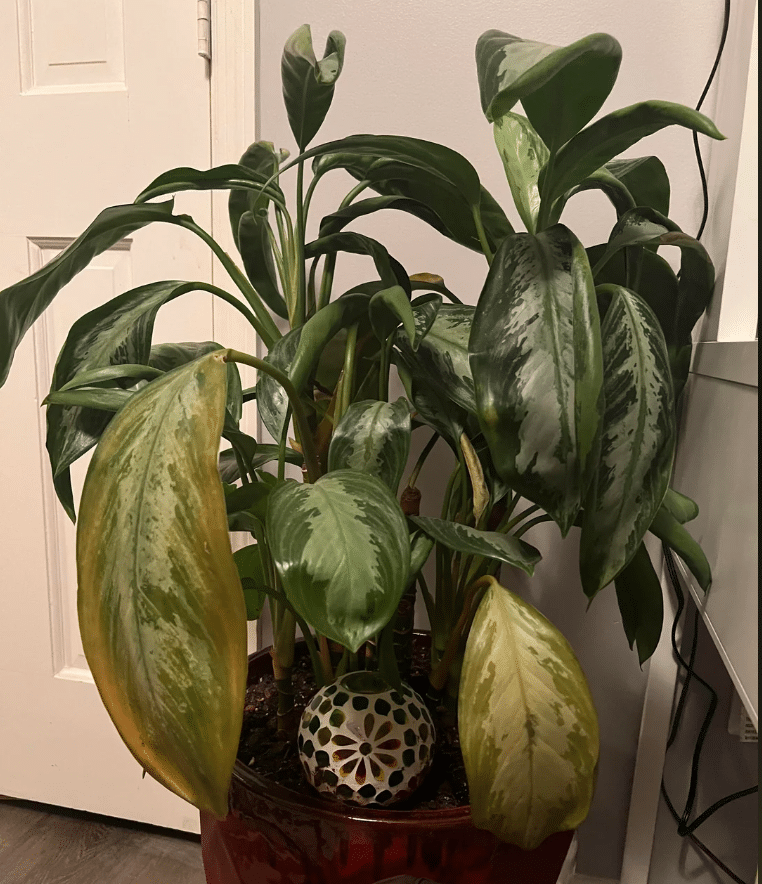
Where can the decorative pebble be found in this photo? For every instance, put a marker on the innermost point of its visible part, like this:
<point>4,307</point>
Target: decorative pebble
<point>365,743</point>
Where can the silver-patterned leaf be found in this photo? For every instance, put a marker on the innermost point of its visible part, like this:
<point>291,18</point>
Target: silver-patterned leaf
<point>161,609</point>
<point>524,154</point>
<point>342,551</point>
<point>638,440</point>
<point>489,544</point>
<point>528,727</point>
<point>536,360</point>
<point>373,437</point>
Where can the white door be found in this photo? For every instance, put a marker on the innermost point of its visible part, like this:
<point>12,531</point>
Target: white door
<point>97,97</point>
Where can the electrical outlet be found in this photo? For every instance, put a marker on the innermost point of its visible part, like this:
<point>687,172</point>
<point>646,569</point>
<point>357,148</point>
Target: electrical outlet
<point>739,722</point>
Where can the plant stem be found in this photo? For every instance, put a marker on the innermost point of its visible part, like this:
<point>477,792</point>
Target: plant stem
<point>476,212</point>
<point>543,216</point>
<point>300,311</point>
<point>347,376</point>
<point>422,459</point>
<point>524,528</point>
<point>325,659</point>
<point>516,519</point>
<point>297,406</point>
<point>268,329</point>
<point>384,365</point>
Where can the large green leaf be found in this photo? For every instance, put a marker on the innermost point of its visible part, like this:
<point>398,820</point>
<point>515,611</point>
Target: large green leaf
<point>308,83</point>
<point>251,570</point>
<point>561,89</point>
<point>638,441</point>
<point>231,176</point>
<point>422,192</point>
<point>119,331</point>
<point>677,317</point>
<point>669,530</point>
<point>388,309</point>
<point>22,303</point>
<point>262,160</point>
<point>390,271</point>
<point>524,154</point>
<point>528,727</point>
<point>442,355</point>
<point>638,592</point>
<point>490,544</point>
<point>272,401</point>
<point>535,354</point>
<point>161,611</point>
<point>373,437</point>
<point>608,137</point>
<point>342,552</point>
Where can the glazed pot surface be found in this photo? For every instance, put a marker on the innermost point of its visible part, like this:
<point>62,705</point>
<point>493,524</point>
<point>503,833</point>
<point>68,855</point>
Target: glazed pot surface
<point>275,836</point>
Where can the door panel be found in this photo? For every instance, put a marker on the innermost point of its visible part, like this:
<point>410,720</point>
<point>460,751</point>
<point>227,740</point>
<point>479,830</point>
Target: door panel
<point>97,97</point>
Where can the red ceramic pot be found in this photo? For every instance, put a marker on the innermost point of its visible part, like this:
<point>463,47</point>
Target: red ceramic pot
<point>275,836</point>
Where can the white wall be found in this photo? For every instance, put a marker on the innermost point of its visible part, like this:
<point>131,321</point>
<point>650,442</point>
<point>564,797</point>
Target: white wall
<point>410,70</point>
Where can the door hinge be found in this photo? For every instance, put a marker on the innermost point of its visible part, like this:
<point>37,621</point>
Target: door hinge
<point>204,16</point>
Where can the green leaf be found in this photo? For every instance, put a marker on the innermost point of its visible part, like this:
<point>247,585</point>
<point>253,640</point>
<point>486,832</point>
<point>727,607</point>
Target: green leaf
<point>667,528</point>
<point>272,401</point>
<point>524,154</point>
<point>442,356</point>
<point>161,611</point>
<point>263,453</point>
<point>605,139</point>
<point>490,544</point>
<point>388,309</point>
<point>342,552</point>
<point>248,220</point>
<point>420,549</point>
<point>390,271</point>
<point>111,373</point>
<point>22,303</point>
<point>118,331</point>
<point>447,166</point>
<point>560,89</point>
<point>679,506</point>
<point>231,176</point>
<point>528,727</point>
<point>638,592</point>
<point>109,399</point>
<point>373,437</point>
<point>252,573</point>
<point>425,310</point>
<point>308,83</point>
<point>535,354</point>
<point>638,441</point>
<point>646,227</point>
<point>251,498</point>
<point>646,179</point>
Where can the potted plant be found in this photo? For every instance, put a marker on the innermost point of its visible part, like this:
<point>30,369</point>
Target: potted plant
<point>556,393</point>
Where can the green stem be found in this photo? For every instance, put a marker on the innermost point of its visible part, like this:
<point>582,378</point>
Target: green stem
<point>516,519</point>
<point>347,377</point>
<point>422,459</point>
<point>282,446</point>
<point>488,254</point>
<point>543,216</point>
<point>384,366</point>
<point>300,313</point>
<point>297,406</point>
<point>234,302</point>
<point>387,660</point>
<point>524,528</point>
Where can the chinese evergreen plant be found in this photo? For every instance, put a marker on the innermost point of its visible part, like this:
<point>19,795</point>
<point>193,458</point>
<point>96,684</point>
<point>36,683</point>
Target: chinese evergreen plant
<point>556,394</point>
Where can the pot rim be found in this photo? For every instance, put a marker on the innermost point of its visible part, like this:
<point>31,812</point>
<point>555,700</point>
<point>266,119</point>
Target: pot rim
<point>244,776</point>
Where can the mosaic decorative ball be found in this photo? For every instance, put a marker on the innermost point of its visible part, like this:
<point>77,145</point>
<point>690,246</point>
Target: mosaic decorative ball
<point>363,742</point>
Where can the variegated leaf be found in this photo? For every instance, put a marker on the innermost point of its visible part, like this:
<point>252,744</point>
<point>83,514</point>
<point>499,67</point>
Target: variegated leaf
<point>161,609</point>
<point>638,440</point>
<point>442,356</point>
<point>489,544</point>
<point>535,355</point>
<point>373,437</point>
<point>342,551</point>
<point>524,154</point>
<point>528,727</point>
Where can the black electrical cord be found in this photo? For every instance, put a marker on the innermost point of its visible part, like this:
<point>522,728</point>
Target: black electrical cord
<point>704,189</point>
<point>684,828</point>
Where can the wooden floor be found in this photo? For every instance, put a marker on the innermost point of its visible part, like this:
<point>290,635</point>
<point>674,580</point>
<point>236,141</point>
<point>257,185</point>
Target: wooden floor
<point>47,845</point>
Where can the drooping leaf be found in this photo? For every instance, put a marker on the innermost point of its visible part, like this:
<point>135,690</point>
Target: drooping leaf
<point>490,544</point>
<point>248,561</point>
<point>110,373</point>
<point>608,137</point>
<point>22,303</point>
<point>308,84</point>
<point>373,437</point>
<point>560,88</point>
<point>272,401</point>
<point>638,592</point>
<point>646,179</point>
<point>161,611</point>
<point>667,528</point>
<point>420,549</point>
<point>390,271</point>
<point>524,154</point>
<point>646,227</point>
<point>342,552</point>
<point>479,490</point>
<point>106,399</point>
<point>638,441</point>
<point>425,310</point>
<point>679,506</point>
<point>263,160</point>
<point>231,176</point>
<point>535,354</point>
<point>442,355</point>
<point>263,453</point>
<point>528,727</point>
<point>118,331</point>
<point>388,309</point>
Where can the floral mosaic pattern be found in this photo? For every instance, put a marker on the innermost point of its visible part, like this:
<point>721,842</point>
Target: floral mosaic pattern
<point>363,742</point>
